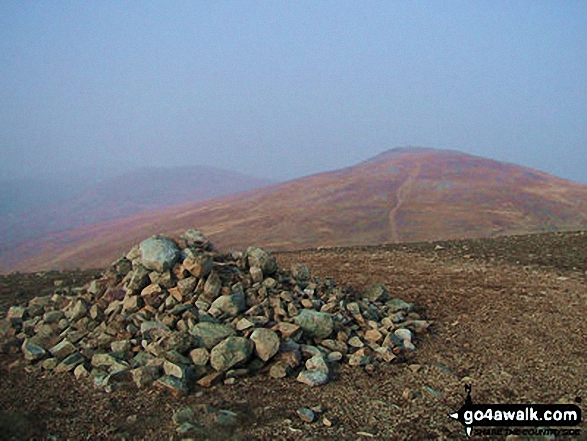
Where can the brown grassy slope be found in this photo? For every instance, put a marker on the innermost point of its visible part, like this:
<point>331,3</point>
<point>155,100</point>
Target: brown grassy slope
<point>401,195</point>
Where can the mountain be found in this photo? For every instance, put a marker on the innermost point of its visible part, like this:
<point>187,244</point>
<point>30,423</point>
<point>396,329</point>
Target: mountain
<point>402,195</point>
<point>73,203</point>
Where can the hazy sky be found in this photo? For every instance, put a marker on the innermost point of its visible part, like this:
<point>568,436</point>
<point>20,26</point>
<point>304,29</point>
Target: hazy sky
<point>284,89</point>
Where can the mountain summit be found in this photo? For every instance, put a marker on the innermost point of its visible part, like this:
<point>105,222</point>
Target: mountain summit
<point>402,195</point>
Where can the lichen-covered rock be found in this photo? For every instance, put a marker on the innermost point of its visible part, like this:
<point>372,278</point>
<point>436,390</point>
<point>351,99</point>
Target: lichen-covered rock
<point>314,323</point>
<point>230,352</point>
<point>266,343</point>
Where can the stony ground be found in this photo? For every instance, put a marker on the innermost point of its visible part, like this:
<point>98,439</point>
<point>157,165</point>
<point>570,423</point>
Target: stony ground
<point>509,317</point>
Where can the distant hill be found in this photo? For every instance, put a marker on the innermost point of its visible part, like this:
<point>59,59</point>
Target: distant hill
<point>402,195</point>
<point>72,204</point>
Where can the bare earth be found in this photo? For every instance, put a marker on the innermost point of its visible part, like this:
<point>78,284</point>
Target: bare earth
<point>508,313</point>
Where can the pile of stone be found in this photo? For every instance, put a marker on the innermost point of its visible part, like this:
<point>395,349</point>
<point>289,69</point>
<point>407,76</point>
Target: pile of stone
<point>176,312</point>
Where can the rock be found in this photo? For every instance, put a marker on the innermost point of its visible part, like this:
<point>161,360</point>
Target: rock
<point>230,352</point>
<point>211,288</point>
<point>244,324</point>
<point>313,378</point>
<point>230,304</point>
<point>178,370</point>
<point>256,257</point>
<point>266,343</point>
<point>138,279</point>
<point>62,349</point>
<point>306,415</point>
<point>120,346</point>
<point>373,336</point>
<point>183,415</point>
<point>198,265</point>
<point>79,310</point>
<point>334,357</point>
<point>210,379</point>
<point>153,329</point>
<point>210,334</point>
<point>396,305</point>
<point>145,375</point>
<point>70,362</point>
<point>376,293</point>
<point>177,387</point>
<point>314,323</point>
<point>359,359</point>
<point>53,316</point>
<point>81,372</point>
<point>107,361</point>
<point>301,274</point>
<point>194,237</point>
<point>256,274</point>
<point>158,253</point>
<point>356,342</point>
<point>200,356</point>
<point>226,417</point>
<point>317,363</point>
<point>280,369</point>
<point>49,364</point>
<point>287,330</point>
<point>32,351</point>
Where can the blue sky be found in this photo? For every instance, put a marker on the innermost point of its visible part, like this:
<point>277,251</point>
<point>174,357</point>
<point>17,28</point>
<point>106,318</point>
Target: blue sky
<point>285,89</point>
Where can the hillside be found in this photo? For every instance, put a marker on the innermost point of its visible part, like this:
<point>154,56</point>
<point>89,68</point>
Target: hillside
<point>70,205</point>
<point>403,195</point>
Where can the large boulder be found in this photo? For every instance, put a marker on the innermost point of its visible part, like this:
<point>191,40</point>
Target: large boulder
<point>159,253</point>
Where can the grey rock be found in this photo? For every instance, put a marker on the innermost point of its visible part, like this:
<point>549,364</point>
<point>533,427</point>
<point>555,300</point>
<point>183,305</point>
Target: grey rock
<point>153,329</point>
<point>194,237</point>
<point>313,378</point>
<point>280,369</point>
<point>62,349</point>
<point>49,364</point>
<point>120,346</point>
<point>230,352</point>
<point>301,274</point>
<point>178,370</point>
<point>314,323</point>
<point>200,356</point>
<point>396,305</point>
<point>158,253</point>
<point>375,293</point>
<point>138,279</point>
<point>177,387</point>
<point>261,259</point>
<point>32,351</point>
<point>211,287</point>
<point>317,363</point>
<point>256,274</point>
<point>79,310</point>
<point>70,362</point>
<point>53,316</point>
<point>16,314</point>
<point>231,304</point>
<point>306,415</point>
<point>266,343</point>
<point>210,334</point>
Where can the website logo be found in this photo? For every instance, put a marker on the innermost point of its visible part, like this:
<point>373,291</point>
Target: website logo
<point>511,415</point>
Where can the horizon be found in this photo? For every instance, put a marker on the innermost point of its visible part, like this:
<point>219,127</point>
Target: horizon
<point>288,90</point>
